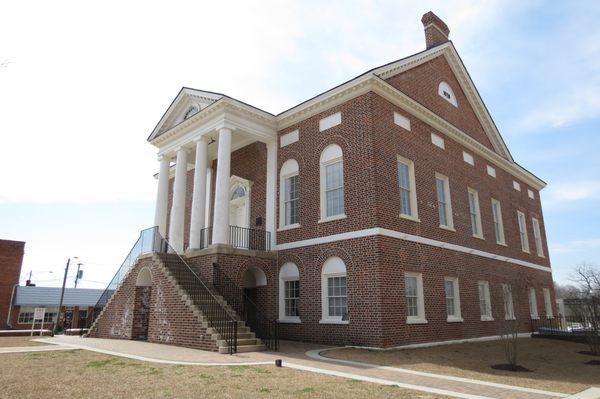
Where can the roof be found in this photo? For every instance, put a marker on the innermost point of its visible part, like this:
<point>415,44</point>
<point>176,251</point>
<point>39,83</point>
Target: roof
<point>34,296</point>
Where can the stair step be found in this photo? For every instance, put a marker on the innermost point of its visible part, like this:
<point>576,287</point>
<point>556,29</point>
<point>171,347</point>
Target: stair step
<point>244,348</point>
<point>240,342</point>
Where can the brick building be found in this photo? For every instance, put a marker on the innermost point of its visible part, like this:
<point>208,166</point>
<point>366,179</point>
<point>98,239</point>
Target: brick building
<point>11,259</point>
<point>77,310</point>
<point>386,211</point>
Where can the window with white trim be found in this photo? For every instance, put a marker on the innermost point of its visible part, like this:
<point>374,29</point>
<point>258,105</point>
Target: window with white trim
<point>445,91</point>
<point>289,194</point>
<point>533,310</point>
<point>530,193</point>
<point>452,299</point>
<point>516,185</point>
<point>475,213</point>
<point>507,297</point>
<point>406,184</point>
<point>289,293</point>
<point>25,315</point>
<point>413,291</point>
<point>523,231</point>
<point>537,235</point>
<point>468,158</point>
<point>442,187</point>
<point>548,303</point>
<point>491,171</point>
<point>485,303</point>
<point>332,183</point>
<point>334,291</point>
<point>498,223</point>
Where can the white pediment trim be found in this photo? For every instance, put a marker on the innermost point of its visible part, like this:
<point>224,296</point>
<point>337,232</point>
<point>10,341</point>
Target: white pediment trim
<point>182,102</point>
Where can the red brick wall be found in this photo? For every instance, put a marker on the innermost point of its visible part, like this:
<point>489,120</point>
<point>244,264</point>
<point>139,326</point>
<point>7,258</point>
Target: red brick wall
<point>421,84</point>
<point>11,259</point>
<point>171,321</point>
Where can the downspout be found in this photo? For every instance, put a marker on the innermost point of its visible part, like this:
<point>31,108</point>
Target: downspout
<point>12,296</point>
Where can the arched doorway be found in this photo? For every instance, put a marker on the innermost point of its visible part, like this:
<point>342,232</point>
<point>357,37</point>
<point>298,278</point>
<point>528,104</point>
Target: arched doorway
<point>253,278</point>
<point>141,306</point>
<point>239,202</point>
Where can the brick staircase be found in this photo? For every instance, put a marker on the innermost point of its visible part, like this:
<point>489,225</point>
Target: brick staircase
<point>187,282</point>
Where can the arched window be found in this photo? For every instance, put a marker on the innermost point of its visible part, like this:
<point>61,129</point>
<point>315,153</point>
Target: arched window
<point>289,293</point>
<point>191,111</point>
<point>332,183</point>
<point>239,192</point>
<point>445,91</point>
<point>289,195</point>
<point>333,292</point>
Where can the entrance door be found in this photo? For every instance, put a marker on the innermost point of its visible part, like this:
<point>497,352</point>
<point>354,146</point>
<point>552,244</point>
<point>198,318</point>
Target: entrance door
<point>249,309</point>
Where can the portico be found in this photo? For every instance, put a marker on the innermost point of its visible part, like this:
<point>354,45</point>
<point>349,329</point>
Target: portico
<point>206,132</point>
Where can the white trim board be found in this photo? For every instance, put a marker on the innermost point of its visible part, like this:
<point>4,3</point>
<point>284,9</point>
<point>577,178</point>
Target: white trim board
<point>378,231</point>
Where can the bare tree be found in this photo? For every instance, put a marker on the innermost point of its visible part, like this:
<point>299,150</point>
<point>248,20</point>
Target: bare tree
<point>564,291</point>
<point>586,303</point>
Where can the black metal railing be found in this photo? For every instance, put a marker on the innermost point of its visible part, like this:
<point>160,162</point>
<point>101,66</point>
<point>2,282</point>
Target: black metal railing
<point>216,313</point>
<point>243,237</point>
<point>566,326</point>
<point>264,327</point>
<point>149,241</point>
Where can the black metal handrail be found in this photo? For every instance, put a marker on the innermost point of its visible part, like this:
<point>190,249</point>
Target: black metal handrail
<point>264,327</point>
<point>147,242</point>
<point>247,238</point>
<point>216,313</point>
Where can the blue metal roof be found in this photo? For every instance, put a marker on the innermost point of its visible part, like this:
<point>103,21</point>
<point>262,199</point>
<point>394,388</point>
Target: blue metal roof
<point>32,296</point>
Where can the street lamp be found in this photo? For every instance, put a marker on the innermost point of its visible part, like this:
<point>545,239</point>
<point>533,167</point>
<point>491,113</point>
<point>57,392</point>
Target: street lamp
<point>62,294</point>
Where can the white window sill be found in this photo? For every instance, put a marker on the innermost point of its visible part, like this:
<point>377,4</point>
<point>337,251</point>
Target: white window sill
<point>416,321</point>
<point>290,320</point>
<point>541,256</point>
<point>410,217</point>
<point>502,243</point>
<point>487,318</point>
<point>510,318</point>
<point>479,236</point>
<point>525,251</point>
<point>535,317</point>
<point>333,321</point>
<point>289,227</point>
<point>549,317</point>
<point>455,320</point>
<point>332,218</point>
<point>447,228</point>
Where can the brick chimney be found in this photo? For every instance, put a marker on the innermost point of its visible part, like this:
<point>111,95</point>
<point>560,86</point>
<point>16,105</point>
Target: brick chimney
<point>436,31</point>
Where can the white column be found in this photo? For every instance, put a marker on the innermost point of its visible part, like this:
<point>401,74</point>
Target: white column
<point>199,196</point>
<point>209,174</point>
<point>178,205</point>
<point>221,205</point>
<point>271,194</point>
<point>162,195</point>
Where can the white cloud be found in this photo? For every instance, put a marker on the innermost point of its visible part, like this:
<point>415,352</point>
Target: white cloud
<point>559,193</point>
<point>575,246</point>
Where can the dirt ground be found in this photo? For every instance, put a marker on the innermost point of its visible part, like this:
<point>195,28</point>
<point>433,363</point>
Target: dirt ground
<point>18,341</point>
<point>555,365</point>
<point>84,374</point>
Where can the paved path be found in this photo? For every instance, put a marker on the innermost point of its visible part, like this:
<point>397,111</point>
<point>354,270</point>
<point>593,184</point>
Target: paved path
<point>307,357</point>
<point>39,348</point>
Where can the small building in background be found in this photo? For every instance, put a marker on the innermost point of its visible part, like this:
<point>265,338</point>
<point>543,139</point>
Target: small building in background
<point>77,309</point>
<point>11,259</point>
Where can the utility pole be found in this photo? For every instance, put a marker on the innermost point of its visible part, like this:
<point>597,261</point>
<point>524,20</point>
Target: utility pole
<point>79,274</point>
<point>62,295</point>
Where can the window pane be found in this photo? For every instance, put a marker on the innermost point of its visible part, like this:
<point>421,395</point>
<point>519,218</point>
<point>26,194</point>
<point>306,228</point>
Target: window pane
<point>334,189</point>
<point>337,304</point>
<point>291,200</point>
<point>412,307</point>
<point>404,184</point>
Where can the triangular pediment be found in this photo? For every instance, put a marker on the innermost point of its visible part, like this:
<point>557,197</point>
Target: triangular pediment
<point>438,61</point>
<point>187,103</point>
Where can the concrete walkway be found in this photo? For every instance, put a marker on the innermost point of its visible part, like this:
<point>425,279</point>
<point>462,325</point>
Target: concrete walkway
<point>39,348</point>
<point>308,357</point>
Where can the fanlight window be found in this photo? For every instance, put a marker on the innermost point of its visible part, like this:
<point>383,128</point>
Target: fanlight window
<point>239,192</point>
<point>190,112</point>
<point>445,91</point>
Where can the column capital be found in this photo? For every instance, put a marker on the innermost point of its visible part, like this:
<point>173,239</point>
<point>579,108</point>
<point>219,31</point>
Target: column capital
<point>182,147</point>
<point>201,138</point>
<point>225,125</point>
<point>164,157</point>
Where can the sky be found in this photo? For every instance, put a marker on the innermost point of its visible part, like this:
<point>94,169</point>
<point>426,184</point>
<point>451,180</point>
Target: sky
<point>82,84</point>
